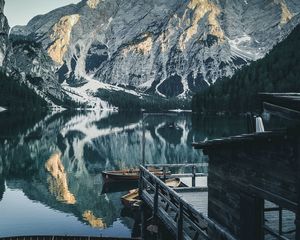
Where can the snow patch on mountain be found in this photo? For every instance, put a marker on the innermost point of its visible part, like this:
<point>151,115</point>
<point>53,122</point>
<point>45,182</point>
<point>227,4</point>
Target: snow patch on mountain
<point>85,95</point>
<point>240,48</point>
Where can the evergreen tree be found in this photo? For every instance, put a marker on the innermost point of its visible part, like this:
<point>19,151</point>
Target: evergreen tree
<point>17,96</point>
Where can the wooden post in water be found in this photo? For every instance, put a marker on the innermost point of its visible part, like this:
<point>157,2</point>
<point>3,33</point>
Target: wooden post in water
<point>143,143</point>
<point>165,173</point>
<point>298,189</point>
<point>280,221</point>
<point>143,221</point>
<point>142,207</point>
<point>180,222</point>
<point>194,176</point>
<point>141,182</point>
<point>252,217</point>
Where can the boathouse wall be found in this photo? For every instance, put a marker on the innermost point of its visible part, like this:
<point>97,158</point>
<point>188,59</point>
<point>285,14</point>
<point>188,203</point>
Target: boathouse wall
<point>240,173</point>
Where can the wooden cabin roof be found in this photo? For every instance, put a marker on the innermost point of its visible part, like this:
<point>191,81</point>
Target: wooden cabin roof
<point>244,138</point>
<point>286,105</point>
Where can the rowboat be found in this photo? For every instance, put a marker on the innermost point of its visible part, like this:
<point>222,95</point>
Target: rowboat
<point>127,175</point>
<point>132,198</point>
<point>174,183</point>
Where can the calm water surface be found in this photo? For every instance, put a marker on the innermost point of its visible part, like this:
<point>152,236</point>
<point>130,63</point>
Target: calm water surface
<point>50,166</point>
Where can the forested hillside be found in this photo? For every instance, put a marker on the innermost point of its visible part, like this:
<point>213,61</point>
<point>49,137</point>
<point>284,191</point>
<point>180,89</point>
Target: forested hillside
<point>279,71</point>
<point>17,96</point>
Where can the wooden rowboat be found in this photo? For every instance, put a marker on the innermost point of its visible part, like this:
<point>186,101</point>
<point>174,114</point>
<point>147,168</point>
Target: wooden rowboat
<point>132,198</point>
<point>173,182</point>
<point>127,175</point>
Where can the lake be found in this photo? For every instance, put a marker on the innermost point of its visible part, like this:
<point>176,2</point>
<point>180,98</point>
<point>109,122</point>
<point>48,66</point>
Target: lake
<point>51,164</point>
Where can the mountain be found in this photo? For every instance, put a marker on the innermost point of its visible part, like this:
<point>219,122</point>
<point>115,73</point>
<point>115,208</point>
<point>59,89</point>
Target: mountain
<point>171,49</point>
<point>279,71</point>
<point>167,47</point>
<point>13,92</point>
<point>4,30</point>
<point>27,80</point>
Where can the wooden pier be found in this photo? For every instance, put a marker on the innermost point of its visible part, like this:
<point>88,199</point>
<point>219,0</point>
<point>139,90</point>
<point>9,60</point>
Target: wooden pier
<point>182,210</point>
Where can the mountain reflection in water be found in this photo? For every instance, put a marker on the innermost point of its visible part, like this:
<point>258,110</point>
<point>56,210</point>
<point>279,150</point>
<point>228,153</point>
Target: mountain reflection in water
<point>50,166</point>
<point>58,183</point>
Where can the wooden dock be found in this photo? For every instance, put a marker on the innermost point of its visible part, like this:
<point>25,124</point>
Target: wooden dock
<point>182,210</point>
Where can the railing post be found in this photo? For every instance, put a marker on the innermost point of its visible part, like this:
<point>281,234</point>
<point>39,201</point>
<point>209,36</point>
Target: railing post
<point>155,202</point>
<point>194,176</point>
<point>143,144</point>
<point>141,185</point>
<point>180,222</point>
<point>298,189</point>
<point>164,173</point>
<point>142,208</point>
<point>280,221</point>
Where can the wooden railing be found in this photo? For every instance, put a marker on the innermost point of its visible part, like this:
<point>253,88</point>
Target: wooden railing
<point>274,233</point>
<point>166,167</point>
<point>279,204</point>
<point>178,215</point>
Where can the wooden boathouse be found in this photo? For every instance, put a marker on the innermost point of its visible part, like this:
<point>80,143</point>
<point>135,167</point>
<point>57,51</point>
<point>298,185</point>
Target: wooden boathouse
<point>253,185</point>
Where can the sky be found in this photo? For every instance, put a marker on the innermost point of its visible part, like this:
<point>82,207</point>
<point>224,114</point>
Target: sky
<point>19,12</point>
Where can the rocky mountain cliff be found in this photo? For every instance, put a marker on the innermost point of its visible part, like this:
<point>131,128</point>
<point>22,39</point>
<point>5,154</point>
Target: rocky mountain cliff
<point>171,48</point>
<point>4,30</point>
<point>27,64</point>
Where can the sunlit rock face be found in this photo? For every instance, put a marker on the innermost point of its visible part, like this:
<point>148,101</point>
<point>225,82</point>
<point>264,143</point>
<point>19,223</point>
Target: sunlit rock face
<point>286,14</point>
<point>4,30</point>
<point>171,48</point>
<point>201,9</point>
<point>61,37</point>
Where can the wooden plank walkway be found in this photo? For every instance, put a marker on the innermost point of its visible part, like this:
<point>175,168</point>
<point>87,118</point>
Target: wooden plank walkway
<point>197,199</point>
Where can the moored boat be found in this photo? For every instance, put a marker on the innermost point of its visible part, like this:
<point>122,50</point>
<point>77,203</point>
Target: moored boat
<point>127,175</point>
<point>132,198</point>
